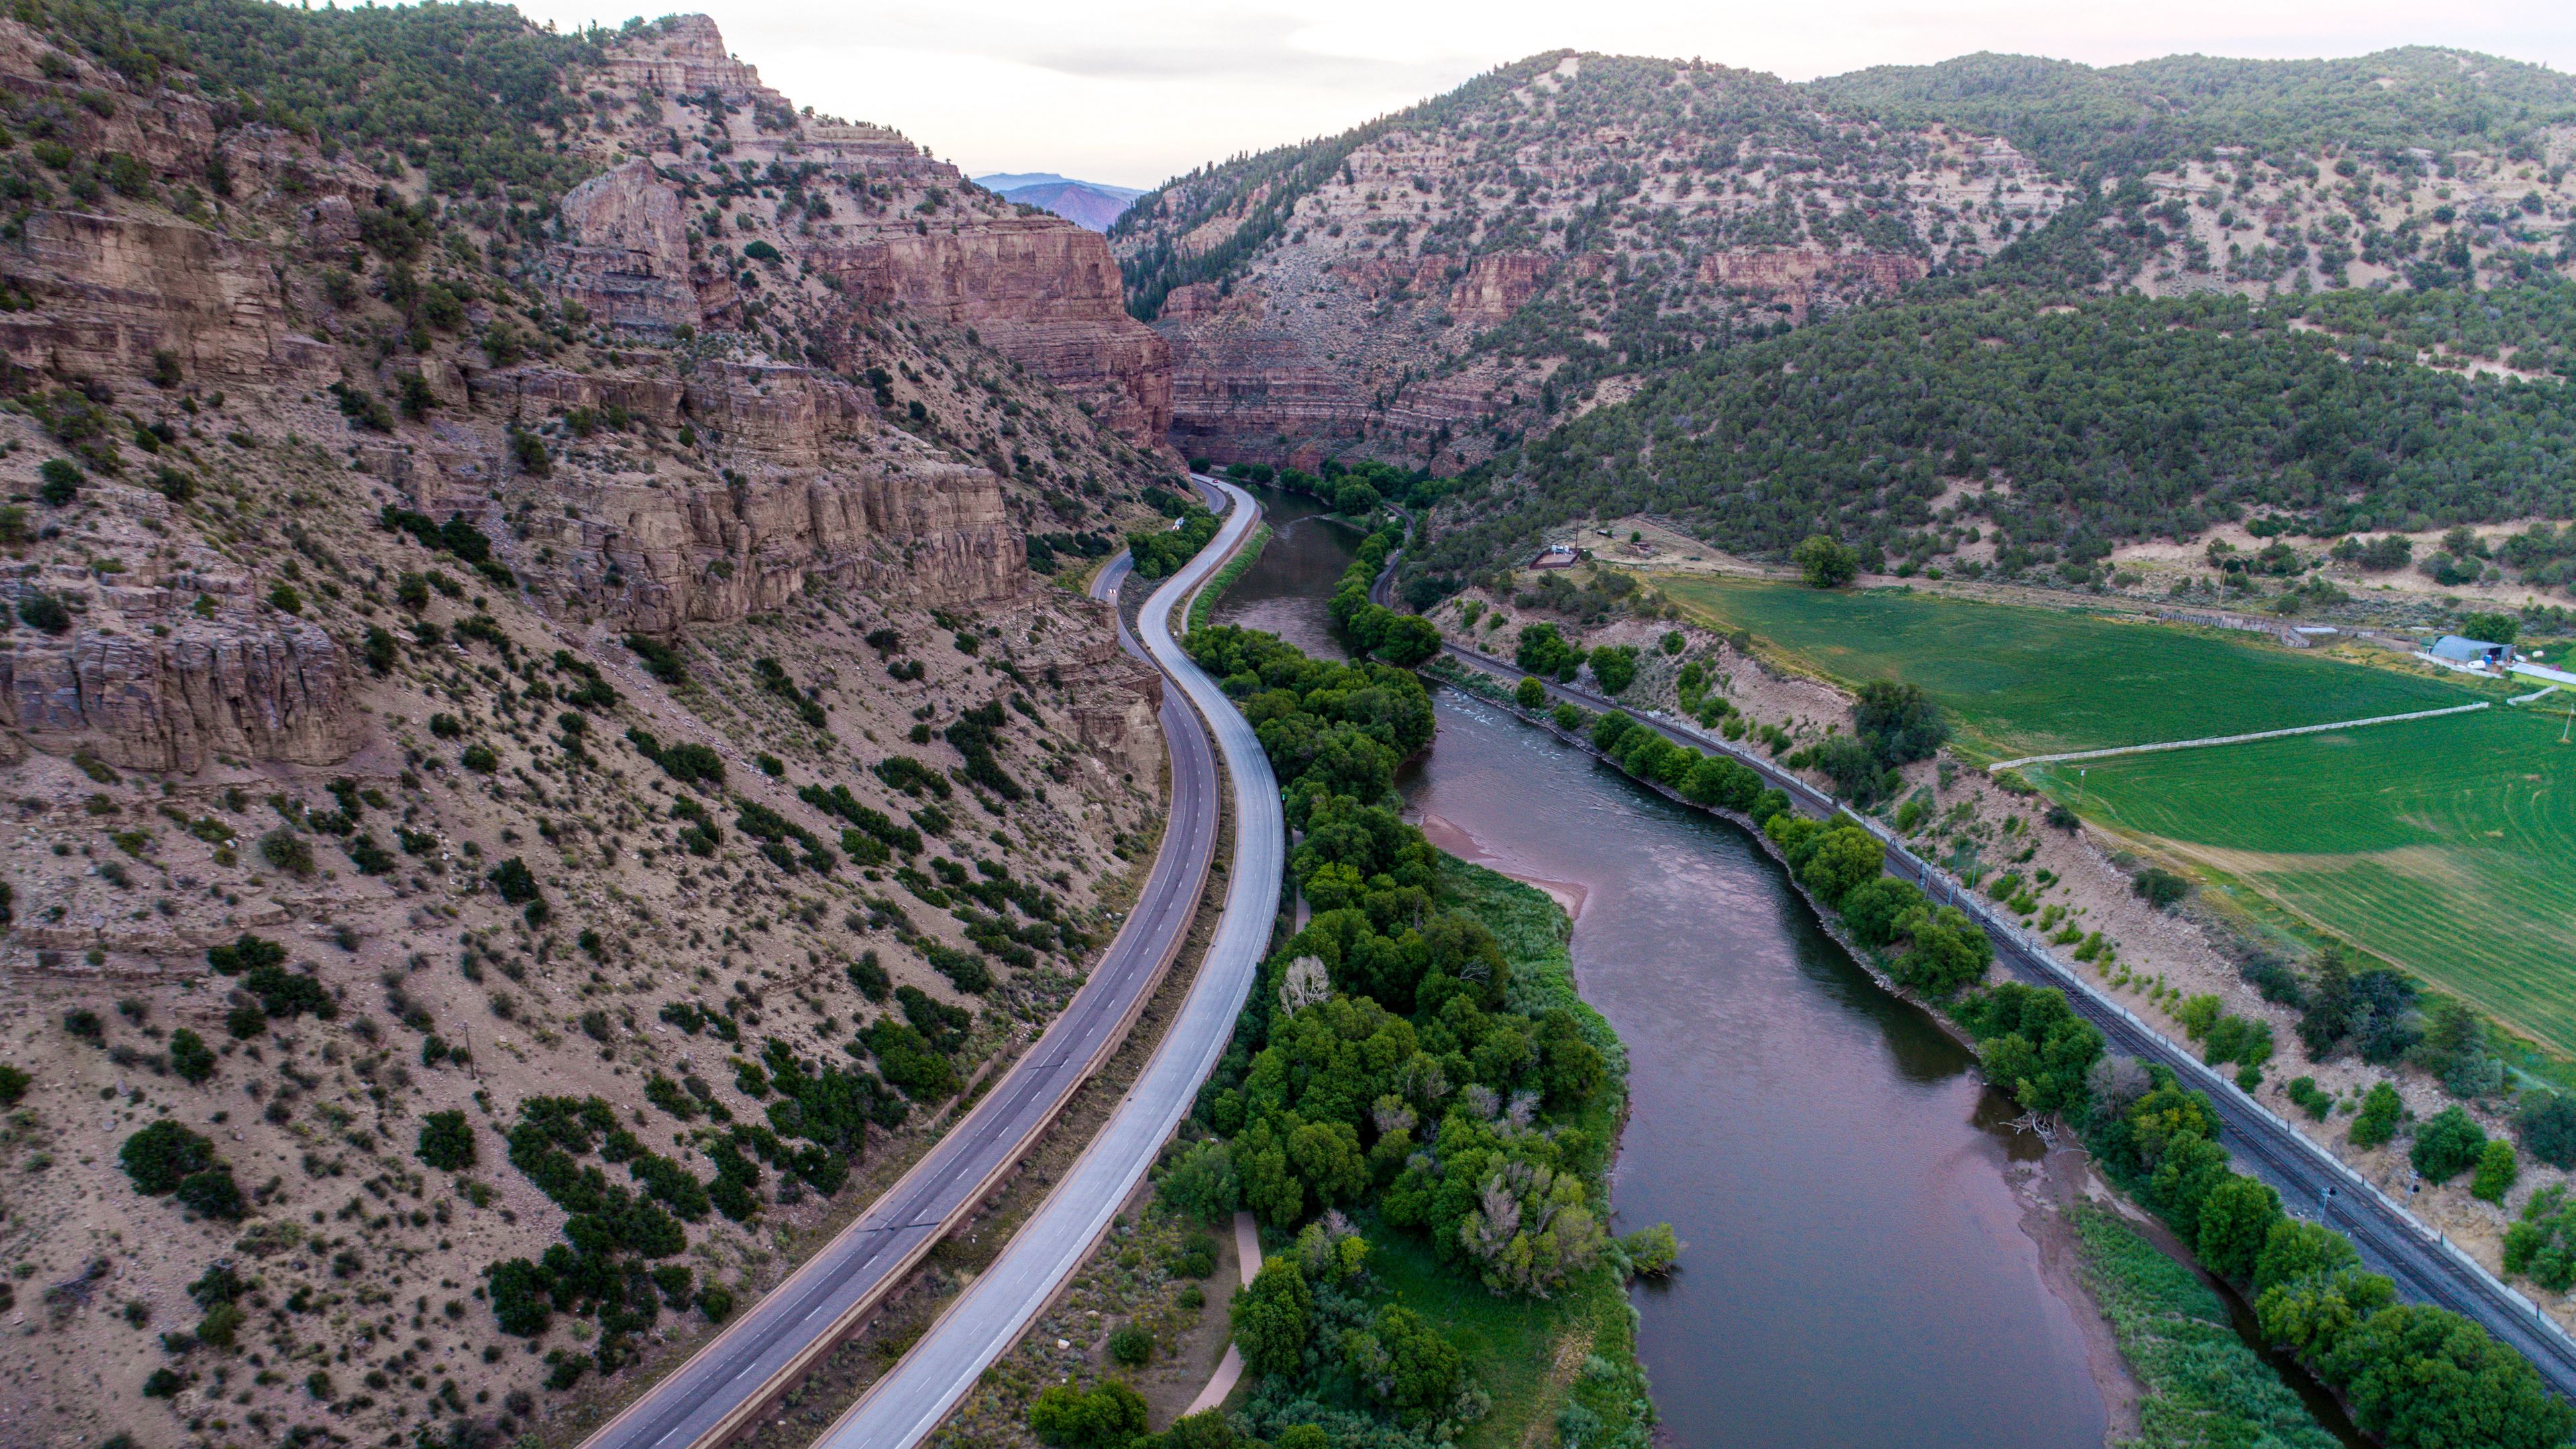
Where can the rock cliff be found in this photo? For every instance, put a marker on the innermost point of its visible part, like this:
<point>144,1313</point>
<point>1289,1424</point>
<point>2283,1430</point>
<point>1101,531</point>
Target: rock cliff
<point>1442,283</point>
<point>236,687</point>
<point>1039,290</point>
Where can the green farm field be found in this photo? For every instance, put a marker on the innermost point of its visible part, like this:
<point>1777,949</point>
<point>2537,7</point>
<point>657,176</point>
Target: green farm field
<point>2447,846</point>
<point>2026,681</point>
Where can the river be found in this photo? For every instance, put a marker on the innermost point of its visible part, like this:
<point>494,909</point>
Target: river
<point>1855,1268</point>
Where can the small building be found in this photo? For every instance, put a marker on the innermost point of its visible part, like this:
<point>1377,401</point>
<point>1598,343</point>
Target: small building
<point>1555,556</point>
<point>2475,653</point>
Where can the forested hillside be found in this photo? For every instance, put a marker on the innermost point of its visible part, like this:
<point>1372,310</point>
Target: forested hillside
<point>2048,433</point>
<point>458,92</point>
<point>1442,285</point>
<point>2391,105</point>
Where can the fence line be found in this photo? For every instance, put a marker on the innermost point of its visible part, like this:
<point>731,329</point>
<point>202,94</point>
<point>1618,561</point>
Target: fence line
<point>2349,724</point>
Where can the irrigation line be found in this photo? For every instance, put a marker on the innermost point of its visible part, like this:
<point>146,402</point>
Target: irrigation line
<point>2349,724</point>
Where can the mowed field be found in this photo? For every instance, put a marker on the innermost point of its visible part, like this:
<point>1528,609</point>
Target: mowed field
<point>2027,681</point>
<point>2447,845</point>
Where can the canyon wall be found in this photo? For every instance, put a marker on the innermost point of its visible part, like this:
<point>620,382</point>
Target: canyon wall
<point>1034,287</point>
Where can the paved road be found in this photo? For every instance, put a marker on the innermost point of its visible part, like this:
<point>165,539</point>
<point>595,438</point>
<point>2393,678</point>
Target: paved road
<point>905,1405</point>
<point>734,1376</point>
<point>2311,1182</point>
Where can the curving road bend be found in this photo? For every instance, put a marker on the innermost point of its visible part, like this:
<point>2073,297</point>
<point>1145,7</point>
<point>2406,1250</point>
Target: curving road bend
<point>2425,1267</point>
<point>905,1405</point>
<point>730,1380</point>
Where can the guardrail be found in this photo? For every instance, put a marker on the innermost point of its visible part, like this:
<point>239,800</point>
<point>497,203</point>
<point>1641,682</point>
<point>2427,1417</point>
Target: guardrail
<point>2056,973</point>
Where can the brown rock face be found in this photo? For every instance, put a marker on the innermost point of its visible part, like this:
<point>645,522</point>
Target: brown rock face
<point>659,557</point>
<point>1496,285</point>
<point>112,290</point>
<point>631,264</point>
<point>1804,276</point>
<point>825,492</point>
<point>1040,291</point>
<point>263,692</point>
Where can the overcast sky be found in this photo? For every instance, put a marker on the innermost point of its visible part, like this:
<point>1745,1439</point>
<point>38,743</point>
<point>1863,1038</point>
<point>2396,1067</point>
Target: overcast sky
<point>1132,92</point>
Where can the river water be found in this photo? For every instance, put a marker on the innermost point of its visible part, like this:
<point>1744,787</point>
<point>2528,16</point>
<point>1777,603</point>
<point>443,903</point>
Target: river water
<point>1855,1270</point>
<point>1284,591</point>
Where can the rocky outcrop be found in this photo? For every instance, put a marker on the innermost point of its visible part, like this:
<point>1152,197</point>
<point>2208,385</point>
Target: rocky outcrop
<point>1803,277</point>
<point>253,690</point>
<point>1039,290</point>
<point>1036,288</point>
<point>113,290</point>
<point>1116,699</point>
<point>1237,388</point>
<point>630,262</point>
<point>658,556</point>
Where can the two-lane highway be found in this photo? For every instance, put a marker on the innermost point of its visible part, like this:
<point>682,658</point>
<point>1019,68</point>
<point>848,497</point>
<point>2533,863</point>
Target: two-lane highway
<point>730,1380</point>
<point>983,1323</point>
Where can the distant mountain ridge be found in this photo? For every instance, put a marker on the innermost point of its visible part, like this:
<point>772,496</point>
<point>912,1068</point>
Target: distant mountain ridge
<point>1092,204</point>
<point>1440,284</point>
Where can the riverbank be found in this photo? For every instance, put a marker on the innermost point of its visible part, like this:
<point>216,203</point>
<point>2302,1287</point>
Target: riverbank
<point>2131,1362</point>
<point>1577,1349</point>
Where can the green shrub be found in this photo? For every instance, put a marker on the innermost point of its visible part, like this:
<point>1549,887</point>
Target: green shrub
<point>1824,563</point>
<point>2159,887</point>
<point>868,974</point>
<point>243,955</point>
<point>44,613</point>
<point>514,882</point>
<point>287,851</point>
<point>1653,1251</point>
<point>2542,1245</point>
<point>2304,1092</point>
<point>1616,669</point>
<point>1107,1417</point>
<point>2381,1110</point>
<point>2448,1145</point>
<point>162,1155</point>
<point>2497,1170</point>
<point>2548,1125</point>
<point>1203,1184</point>
<point>190,1057</point>
<point>2198,1015</point>
<point>59,481</point>
<point>446,1141</point>
<point>14,1082</point>
<point>1132,1345</point>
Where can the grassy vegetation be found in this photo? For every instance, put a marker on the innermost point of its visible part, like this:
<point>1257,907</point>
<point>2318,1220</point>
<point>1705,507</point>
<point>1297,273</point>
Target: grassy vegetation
<point>2438,844</point>
<point>2202,1385</point>
<point>1530,1354</point>
<point>1204,606</point>
<point>2022,681</point>
<point>1533,930</point>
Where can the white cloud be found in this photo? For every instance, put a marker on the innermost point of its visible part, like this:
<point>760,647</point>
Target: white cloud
<point>1135,91</point>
